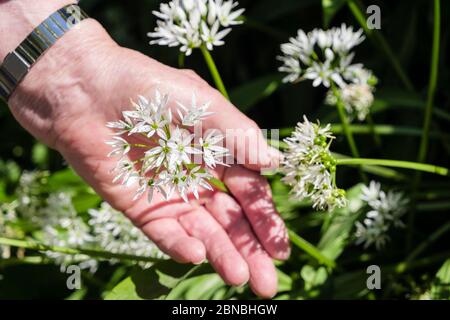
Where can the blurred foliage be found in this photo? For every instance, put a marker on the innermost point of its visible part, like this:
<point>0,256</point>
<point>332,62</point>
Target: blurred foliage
<point>249,68</point>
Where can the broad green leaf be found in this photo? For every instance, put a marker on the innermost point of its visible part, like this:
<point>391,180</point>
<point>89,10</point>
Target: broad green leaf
<point>329,10</point>
<point>65,179</point>
<point>156,282</point>
<point>441,286</point>
<point>337,234</point>
<point>249,94</point>
<point>203,287</point>
<point>125,290</point>
<point>284,281</point>
<point>350,285</point>
<point>84,201</point>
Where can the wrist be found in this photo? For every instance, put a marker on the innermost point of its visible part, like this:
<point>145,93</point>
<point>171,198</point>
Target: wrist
<point>64,74</point>
<point>18,18</point>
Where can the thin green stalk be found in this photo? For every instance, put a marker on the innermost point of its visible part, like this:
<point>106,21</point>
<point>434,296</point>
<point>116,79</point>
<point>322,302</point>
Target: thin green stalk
<point>423,148</point>
<point>430,240</point>
<point>346,128</point>
<point>345,123</point>
<point>380,129</point>
<point>408,266</point>
<point>396,164</point>
<point>18,261</point>
<point>310,249</point>
<point>73,251</point>
<point>375,135</point>
<point>377,37</point>
<point>433,206</point>
<point>214,72</point>
<point>181,59</point>
<point>432,83</point>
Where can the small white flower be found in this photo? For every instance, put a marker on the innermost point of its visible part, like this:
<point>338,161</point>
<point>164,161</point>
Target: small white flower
<point>189,24</point>
<point>385,211</point>
<point>120,147</point>
<point>124,171</point>
<point>213,153</point>
<point>308,166</point>
<point>122,126</point>
<point>193,115</point>
<point>212,37</point>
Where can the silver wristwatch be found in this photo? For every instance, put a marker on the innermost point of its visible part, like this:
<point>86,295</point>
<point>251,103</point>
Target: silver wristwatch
<point>19,62</point>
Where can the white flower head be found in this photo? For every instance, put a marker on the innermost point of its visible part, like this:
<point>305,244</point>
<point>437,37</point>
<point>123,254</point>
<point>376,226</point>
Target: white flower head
<point>189,24</point>
<point>309,166</point>
<point>169,150</point>
<point>356,98</point>
<point>384,211</point>
<point>323,56</point>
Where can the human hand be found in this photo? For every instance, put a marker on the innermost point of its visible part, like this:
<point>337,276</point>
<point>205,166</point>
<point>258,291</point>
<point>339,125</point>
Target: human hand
<point>86,80</point>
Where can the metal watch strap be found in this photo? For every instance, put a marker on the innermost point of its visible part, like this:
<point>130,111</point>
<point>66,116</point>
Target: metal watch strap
<point>18,63</point>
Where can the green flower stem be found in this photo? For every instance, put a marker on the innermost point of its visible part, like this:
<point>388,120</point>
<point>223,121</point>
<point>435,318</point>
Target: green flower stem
<point>25,260</point>
<point>377,37</point>
<point>140,145</point>
<point>396,164</point>
<point>424,262</point>
<point>181,59</point>
<point>346,128</point>
<point>376,136</point>
<point>214,72</point>
<point>428,241</point>
<point>432,83</point>
<point>345,123</point>
<point>380,129</point>
<point>310,249</point>
<point>423,148</point>
<point>72,251</point>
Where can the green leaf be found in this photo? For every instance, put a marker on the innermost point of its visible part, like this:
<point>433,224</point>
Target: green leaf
<point>249,94</point>
<point>337,233</point>
<point>65,179</point>
<point>157,282</point>
<point>441,286</point>
<point>329,10</point>
<point>310,249</point>
<point>284,281</point>
<point>84,201</point>
<point>397,99</point>
<point>203,287</point>
<point>350,285</point>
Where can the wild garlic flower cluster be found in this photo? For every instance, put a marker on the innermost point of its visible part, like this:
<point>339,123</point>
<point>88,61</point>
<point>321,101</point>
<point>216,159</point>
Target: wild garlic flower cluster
<point>357,97</point>
<point>189,24</point>
<point>385,211</point>
<point>57,223</point>
<point>171,158</point>
<point>325,57</point>
<point>309,166</point>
